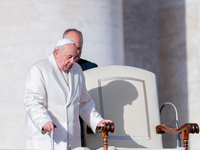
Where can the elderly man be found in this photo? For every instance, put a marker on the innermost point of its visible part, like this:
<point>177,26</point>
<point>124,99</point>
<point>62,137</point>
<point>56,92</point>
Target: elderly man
<point>55,93</point>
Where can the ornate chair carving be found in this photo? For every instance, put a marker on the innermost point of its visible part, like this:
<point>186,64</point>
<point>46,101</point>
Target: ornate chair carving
<point>128,96</point>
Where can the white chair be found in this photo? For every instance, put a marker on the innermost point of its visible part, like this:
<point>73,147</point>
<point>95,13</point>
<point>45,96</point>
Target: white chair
<point>128,97</point>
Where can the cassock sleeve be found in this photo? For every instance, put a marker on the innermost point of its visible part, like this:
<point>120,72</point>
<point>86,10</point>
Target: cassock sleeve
<point>87,108</point>
<point>35,98</point>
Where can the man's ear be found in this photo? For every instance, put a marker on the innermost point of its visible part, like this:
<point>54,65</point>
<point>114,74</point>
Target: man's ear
<point>56,52</point>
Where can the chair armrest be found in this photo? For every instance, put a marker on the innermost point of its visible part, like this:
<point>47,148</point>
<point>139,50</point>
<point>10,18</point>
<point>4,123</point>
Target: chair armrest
<point>109,127</point>
<point>185,130</point>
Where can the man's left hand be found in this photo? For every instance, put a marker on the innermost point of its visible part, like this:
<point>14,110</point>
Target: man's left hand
<point>101,124</point>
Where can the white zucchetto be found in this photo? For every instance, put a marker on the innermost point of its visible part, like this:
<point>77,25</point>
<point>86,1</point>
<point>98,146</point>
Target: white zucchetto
<point>63,42</point>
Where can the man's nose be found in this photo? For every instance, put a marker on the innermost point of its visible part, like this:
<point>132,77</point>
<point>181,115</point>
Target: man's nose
<point>72,60</point>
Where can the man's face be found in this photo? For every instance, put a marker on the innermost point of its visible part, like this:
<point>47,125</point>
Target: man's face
<point>78,41</point>
<point>65,57</point>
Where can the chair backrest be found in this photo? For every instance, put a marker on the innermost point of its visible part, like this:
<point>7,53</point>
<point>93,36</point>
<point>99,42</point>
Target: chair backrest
<point>128,97</point>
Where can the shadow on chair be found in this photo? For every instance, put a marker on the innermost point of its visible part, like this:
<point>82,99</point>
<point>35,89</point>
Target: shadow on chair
<point>124,94</point>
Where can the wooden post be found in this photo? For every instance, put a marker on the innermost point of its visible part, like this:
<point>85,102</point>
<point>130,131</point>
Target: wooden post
<point>109,127</point>
<point>105,140</point>
<point>185,137</point>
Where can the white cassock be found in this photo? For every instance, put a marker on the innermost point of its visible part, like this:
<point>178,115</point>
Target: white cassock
<point>48,98</point>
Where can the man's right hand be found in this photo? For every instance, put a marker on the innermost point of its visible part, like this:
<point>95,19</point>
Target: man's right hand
<point>49,126</point>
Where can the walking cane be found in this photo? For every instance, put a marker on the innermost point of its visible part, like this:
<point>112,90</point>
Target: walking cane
<point>52,138</point>
<point>52,141</point>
